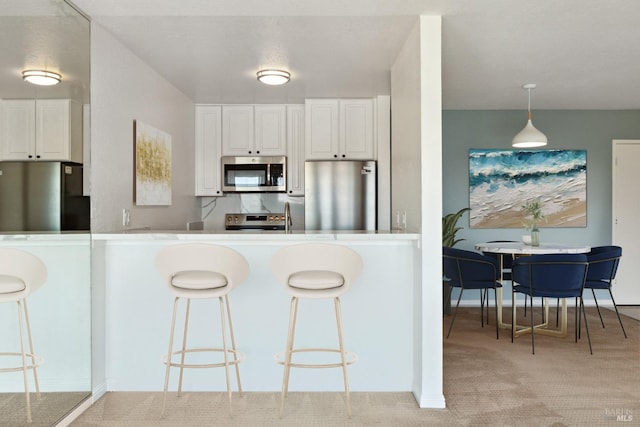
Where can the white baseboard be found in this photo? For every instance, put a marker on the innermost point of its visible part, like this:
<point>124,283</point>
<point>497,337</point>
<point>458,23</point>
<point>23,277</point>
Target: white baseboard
<point>71,417</point>
<point>432,402</point>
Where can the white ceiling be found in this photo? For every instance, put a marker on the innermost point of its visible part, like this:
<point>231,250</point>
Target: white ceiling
<point>583,54</point>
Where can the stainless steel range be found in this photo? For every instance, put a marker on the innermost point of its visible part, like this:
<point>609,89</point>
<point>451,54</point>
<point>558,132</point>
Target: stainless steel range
<point>257,221</point>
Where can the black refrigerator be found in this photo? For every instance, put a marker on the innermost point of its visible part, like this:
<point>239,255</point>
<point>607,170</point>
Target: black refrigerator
<point>42,196</point>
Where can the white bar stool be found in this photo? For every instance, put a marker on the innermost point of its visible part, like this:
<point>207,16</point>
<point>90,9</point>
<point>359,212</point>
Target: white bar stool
<point>315,271</point>
<point>202,271</point>
<point>22,273</point>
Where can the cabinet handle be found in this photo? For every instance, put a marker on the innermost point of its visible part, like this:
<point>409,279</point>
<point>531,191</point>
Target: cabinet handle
<point>30,156</point>
<point>37,157</point>
<point>335,156</point>
<point>249,151</point>
<point>343,156</point>
<point>257,152</point>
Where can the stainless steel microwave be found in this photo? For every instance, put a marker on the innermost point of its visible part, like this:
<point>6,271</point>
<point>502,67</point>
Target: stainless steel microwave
<point>254,174</point>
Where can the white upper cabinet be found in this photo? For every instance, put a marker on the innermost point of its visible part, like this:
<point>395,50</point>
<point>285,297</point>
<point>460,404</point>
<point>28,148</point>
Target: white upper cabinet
<point>48,129</point>
<point>340,129</point>
<point>295,150</point>
<point>270,130</point>
<point>254,130</point>
<point>208,150</point>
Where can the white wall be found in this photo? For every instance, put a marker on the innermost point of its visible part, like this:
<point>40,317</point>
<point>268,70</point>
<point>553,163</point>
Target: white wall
<point>417,189</point>
<point>124,89</point>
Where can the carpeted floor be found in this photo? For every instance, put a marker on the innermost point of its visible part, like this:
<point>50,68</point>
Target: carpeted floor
<point>486,382</point>
<point>45,412</point>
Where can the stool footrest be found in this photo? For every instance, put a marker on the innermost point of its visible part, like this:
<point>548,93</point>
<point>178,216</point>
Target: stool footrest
<point>237,358</point>
<point>37,361</point>
<point>350,356</point>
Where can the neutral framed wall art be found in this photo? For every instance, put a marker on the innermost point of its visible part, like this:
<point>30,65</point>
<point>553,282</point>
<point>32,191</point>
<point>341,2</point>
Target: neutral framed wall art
<point>501,182</point>
<point>152,165</point>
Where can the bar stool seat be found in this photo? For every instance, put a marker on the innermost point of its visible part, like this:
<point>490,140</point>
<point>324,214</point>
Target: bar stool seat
<point>21,274</point>
<point>315,271</point>
<point>202,271</point>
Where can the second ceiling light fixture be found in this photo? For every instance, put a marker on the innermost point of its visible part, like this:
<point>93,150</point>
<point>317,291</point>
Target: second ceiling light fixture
<point>530,136</point>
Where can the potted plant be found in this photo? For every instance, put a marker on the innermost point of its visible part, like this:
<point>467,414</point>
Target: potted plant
<point>449,230</point>
<point>533,217</point>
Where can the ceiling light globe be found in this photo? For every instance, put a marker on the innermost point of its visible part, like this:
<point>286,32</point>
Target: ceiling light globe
<point>41,78</point>
<point>273,77</point>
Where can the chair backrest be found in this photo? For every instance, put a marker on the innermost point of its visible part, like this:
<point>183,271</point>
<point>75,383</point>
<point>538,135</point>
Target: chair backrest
<point>25,266</point>
<point>462,266</point>
<point>202,257</point>
<point>317,257</point>
<point>551,275</point>
<point>603,263</point>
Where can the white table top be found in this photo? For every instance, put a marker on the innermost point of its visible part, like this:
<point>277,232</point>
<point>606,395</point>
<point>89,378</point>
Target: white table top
<point>521,248</point>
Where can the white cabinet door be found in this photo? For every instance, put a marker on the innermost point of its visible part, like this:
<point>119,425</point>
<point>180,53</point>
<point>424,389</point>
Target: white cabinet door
<point>340,129</point>
<point>322,129</point>
<point>237,130</point>
<point>208,150</point>
<point>270,130</point>
<point>52,129</point>
<point>18,130</point>
<point>295,150</point>
<point>356,129</point>
<point>42,130</point>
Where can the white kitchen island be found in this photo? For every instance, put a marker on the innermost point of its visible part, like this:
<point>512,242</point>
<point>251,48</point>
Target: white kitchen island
<point>132,314</point>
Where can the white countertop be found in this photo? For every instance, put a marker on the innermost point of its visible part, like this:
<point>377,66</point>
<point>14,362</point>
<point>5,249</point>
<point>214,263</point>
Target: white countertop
<point>521,248</point>
<point>45,236</point>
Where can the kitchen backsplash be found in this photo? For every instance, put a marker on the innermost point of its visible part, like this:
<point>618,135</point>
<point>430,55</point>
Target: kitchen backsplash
<point>215,208</point>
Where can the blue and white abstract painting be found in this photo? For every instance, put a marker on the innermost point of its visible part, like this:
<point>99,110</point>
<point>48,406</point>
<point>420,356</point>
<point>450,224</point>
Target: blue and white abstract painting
<point>502,181</point>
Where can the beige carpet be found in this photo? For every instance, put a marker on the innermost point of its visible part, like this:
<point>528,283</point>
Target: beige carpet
<point>487,382</point>
<point>45,412</point>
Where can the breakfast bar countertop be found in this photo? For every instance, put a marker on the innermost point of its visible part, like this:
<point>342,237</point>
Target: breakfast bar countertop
<point>263,235</point>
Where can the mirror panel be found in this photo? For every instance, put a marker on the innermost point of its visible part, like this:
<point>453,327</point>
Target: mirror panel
<point>50,35</point>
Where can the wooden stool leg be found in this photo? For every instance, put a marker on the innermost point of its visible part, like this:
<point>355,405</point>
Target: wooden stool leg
<point>343,355</point>
<point>166,375</point>
<point>233,344</point>
<point>226,353</point>
<point>24,361</point>
<point>184,345</point>
<point>288,351</point>
<point>33,357</point>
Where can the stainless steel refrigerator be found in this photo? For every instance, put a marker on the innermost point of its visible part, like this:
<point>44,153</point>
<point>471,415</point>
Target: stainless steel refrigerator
<point>340,195</point>
<point>42,196</point>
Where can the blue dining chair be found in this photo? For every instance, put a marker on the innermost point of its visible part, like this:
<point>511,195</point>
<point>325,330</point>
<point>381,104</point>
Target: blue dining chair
<point>603,266</point>
<point>471,270</point>
<point>550,276</point>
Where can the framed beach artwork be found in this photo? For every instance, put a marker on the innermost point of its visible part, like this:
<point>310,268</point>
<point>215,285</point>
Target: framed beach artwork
<point>501,182</point>
<point>152,165</point>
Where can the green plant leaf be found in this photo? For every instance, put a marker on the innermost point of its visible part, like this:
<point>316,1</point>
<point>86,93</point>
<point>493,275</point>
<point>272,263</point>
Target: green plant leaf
<point>450,228</point>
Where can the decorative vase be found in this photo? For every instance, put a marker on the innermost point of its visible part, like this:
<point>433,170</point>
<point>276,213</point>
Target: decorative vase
<point>535,236</point>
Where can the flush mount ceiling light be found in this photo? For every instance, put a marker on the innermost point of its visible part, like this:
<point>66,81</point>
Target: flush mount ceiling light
<point>529,137</point>
<point>41,78</point>
<point>273,77</point>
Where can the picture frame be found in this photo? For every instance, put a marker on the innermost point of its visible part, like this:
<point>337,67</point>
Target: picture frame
<point>152,162</point>
<point>502,182</point>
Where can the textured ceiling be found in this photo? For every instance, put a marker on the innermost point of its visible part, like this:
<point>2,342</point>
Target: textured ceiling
<point>583,54</point>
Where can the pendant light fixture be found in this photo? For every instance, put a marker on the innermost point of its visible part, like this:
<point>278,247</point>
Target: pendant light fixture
<point>273,77</point>
<point>41,78</point>
<point>529,137</point>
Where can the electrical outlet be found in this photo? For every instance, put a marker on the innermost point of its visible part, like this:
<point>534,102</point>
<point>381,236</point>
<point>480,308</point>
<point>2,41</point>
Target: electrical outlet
<point>126,217</point>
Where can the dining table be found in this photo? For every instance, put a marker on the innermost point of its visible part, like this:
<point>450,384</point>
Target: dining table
<point>514,249</point>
